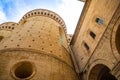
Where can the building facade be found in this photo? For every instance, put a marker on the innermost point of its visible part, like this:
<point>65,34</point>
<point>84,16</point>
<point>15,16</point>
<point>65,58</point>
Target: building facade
<point>39,48</point>
<point>96,41</point>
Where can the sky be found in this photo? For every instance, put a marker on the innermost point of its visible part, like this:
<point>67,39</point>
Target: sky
<point>69,10</point>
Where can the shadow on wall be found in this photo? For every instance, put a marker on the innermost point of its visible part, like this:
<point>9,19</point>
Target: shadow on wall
<point>117,39</point>
<point>101,72</point>
<point>1,37</point>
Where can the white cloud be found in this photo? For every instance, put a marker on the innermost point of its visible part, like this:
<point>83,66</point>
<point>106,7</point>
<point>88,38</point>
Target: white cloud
<point>70,11</point>
<point>21,8</point>
<point>2,16</point>
<point>14,13</point>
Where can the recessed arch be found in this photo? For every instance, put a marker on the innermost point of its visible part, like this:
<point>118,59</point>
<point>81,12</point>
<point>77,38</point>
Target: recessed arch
<point>92,64</point>
<point>100,72</point>
<point>117,39</point>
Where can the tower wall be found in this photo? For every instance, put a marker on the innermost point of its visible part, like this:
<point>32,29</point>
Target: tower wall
<point>95,43</point>
<point>6,29</point>
<point>38,50</point>
<point>96,17</point>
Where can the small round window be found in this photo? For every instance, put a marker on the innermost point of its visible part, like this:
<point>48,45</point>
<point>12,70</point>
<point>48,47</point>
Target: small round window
<point>23,70</point>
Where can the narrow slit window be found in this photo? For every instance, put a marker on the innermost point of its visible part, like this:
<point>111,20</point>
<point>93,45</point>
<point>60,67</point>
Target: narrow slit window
<point>93,35</point>
<point>99,21</point>
<point>60,39</point>
<point>60,36</point>
<point>86,46</point>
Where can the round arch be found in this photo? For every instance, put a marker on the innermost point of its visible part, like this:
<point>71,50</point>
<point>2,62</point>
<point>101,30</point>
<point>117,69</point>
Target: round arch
<point>115,39</point>
<point>100,70</point>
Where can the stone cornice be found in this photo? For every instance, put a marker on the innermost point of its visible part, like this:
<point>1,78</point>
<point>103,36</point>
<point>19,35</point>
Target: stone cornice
<point>46,13</point>
<point>8,26</point>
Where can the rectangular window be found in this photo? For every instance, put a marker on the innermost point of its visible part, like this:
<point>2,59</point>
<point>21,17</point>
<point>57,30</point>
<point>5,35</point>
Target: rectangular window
<point>60,39</point>
<point>86,46</point>
<point>93,35</point>
<point>99,21</point>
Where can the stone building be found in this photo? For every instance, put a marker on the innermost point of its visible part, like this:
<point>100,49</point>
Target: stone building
<point>96,42</point>
<point>36,49</point>
<point>39,48</point>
